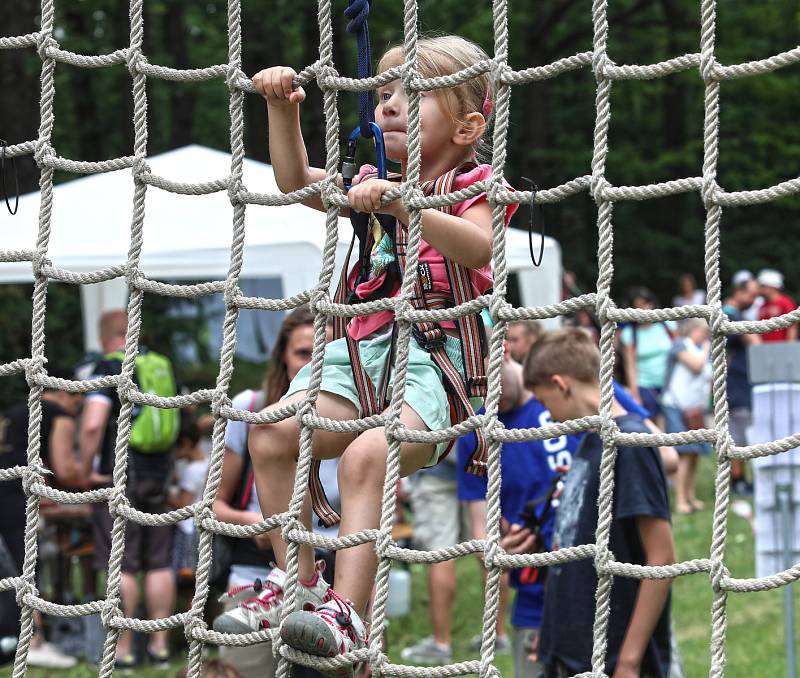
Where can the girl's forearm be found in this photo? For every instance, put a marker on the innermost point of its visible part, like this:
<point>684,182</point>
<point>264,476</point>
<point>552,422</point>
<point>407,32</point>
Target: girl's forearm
<point>456,238</point>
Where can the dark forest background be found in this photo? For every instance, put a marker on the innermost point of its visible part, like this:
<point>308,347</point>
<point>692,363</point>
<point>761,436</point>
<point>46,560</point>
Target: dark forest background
<point>656,127</point>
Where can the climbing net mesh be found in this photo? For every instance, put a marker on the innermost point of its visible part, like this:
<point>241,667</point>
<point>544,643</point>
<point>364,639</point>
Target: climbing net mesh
<point>503,78</point>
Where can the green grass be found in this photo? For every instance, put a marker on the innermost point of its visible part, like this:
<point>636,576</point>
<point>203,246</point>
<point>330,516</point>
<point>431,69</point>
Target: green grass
<point>755,645</point>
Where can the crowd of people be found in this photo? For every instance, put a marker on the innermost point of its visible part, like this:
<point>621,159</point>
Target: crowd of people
<point>546,376</point>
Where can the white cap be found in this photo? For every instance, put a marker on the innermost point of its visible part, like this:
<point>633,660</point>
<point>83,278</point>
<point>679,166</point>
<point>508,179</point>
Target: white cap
<point>769,277</point>
<point>742,276</point>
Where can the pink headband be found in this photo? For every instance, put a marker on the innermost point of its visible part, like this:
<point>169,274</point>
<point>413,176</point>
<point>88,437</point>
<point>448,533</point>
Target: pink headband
<point>488,104</point>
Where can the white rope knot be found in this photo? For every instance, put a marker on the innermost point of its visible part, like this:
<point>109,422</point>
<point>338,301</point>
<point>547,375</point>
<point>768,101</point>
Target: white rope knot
<point>38,263</point>
<point>34,369</point>
<point>116,500</point>
<point>203,517</point>
<point>710,191</point>
<point>33,473</point>
<point>325,75</point>
<point>608,429</point>
<point>600,64</point>
<point>44,41</point>
<point>383,541</point>
<point>219,401</point>
<point>603,304</point>
<point>25,588</point>
<point>413,197</point>
<point>235,77</point>
<point>124,387</point>
<point>195,626</point>
<point>292,523</point>
<point>718,575</point>
<point>717,320</point>
<point>236,189</point>
<point>43,151</point>
<point>708,67</point>
<point>110,611</point>
<point>597,186</point>
<point>136,59</point>
<point>491,553</point>
<point>331,194</point>
<point>140,168</point>
<point>495,192</point>
<point>602,558</point>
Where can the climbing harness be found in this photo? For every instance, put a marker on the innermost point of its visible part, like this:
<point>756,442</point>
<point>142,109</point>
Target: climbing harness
<point>429,335</point>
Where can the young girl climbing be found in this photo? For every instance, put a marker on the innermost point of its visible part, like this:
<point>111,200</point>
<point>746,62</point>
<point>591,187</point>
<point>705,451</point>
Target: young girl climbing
<point>328,621</point>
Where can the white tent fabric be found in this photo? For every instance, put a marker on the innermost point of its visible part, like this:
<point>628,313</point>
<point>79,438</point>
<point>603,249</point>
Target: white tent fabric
<point>189,237</point>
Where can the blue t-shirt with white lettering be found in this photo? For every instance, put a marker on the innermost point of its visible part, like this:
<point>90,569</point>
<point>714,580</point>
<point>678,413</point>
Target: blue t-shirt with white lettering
<point>528,470</point>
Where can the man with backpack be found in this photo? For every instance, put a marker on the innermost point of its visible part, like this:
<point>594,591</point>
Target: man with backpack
<point>149,469</point>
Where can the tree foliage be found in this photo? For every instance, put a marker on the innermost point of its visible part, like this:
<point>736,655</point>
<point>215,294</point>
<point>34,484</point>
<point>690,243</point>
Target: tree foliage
<point>656,127</point>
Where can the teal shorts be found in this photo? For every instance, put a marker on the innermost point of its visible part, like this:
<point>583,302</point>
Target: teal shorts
<point>424,393</point>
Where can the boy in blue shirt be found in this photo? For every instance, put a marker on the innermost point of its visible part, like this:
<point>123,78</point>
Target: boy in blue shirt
<point>528,470</point>
<point>562,370</point>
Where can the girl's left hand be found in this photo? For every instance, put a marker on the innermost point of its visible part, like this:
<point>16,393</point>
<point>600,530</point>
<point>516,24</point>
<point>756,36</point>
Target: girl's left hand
<point>366,197</point>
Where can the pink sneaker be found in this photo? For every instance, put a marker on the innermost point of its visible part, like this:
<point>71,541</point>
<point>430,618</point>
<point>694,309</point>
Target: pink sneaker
<point>260,605</point>
<point>329,631</point>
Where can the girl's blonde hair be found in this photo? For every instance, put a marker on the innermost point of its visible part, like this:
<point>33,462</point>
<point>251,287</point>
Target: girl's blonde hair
<point>445,55</point>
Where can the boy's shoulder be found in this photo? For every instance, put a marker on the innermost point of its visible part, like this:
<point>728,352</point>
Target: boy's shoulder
<point>631,423</point>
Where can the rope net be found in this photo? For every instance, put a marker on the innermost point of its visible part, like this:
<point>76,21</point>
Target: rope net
<point>503,77</point>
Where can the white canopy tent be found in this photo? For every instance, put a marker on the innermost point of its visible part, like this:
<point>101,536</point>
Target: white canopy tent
<point>189,237</point>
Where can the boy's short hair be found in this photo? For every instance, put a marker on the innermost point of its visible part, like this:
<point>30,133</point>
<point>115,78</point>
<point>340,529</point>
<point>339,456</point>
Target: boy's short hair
<point>569,352</point>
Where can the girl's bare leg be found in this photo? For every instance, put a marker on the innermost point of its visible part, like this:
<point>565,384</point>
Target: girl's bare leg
<point>274,450</point>
<point>361,476</point>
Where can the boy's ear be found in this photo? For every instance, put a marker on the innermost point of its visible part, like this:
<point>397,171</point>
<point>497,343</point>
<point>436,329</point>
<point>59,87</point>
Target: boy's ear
<point>469,129</point>
<point>561,384</point>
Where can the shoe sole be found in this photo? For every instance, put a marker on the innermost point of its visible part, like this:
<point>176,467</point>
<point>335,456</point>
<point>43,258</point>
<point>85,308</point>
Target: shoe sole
<point>224,624</point>
<point>307,633</point>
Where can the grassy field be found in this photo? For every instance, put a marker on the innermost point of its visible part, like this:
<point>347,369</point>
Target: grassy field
<point>755,641</point>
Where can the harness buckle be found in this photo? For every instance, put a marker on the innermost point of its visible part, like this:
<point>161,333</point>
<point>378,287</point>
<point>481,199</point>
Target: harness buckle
<point>429,341</point>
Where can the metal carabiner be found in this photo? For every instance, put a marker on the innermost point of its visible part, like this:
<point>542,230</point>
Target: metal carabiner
<point>349,162</point>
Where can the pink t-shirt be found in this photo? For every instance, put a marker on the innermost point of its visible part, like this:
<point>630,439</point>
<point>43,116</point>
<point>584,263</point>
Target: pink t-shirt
<point>482,278</point>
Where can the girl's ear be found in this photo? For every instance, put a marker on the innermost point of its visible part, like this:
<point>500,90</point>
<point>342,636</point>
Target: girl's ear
<point>469,129</point>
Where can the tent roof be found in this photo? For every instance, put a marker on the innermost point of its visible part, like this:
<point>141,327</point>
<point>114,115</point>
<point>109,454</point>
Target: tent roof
<point>185,237</point>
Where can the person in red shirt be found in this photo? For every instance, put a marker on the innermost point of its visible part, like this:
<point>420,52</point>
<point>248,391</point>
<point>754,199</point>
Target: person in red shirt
<point>775,303</point>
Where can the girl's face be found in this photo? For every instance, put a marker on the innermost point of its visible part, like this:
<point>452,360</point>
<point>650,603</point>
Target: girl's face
<point>298,349</point>
<point>437,126</point>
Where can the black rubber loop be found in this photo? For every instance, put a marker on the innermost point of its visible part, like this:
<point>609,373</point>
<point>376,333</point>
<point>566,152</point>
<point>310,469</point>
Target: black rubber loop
<point>3,145</point>
<point>535,209</point>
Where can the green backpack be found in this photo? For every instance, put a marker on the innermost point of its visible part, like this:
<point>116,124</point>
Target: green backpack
<point>154,429</point>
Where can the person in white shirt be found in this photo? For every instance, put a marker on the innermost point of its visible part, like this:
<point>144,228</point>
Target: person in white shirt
<point>685,403</point>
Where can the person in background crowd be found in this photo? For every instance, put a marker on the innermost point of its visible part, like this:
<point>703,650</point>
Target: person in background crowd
<point>237,497</point>
<point>148,549</point>
<point>686,395</point>
<point>520,336</point>
<point>192,472</point>
<point>562,371</point>
<point>776,303</point>
<point>57,434</point>
<point>646,348</point>
<point>738,386</point>
<point>529,471</point>
<point>742,277</point>
<point>688,293</point>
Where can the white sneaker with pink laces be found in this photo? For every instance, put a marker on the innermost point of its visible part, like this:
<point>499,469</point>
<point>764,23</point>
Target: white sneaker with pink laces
<point>260,605</point>
<point>329,631</point>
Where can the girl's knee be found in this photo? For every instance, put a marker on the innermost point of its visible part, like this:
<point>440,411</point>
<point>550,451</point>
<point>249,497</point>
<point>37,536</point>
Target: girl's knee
<point>362,464</point>
<point>273,442</point>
